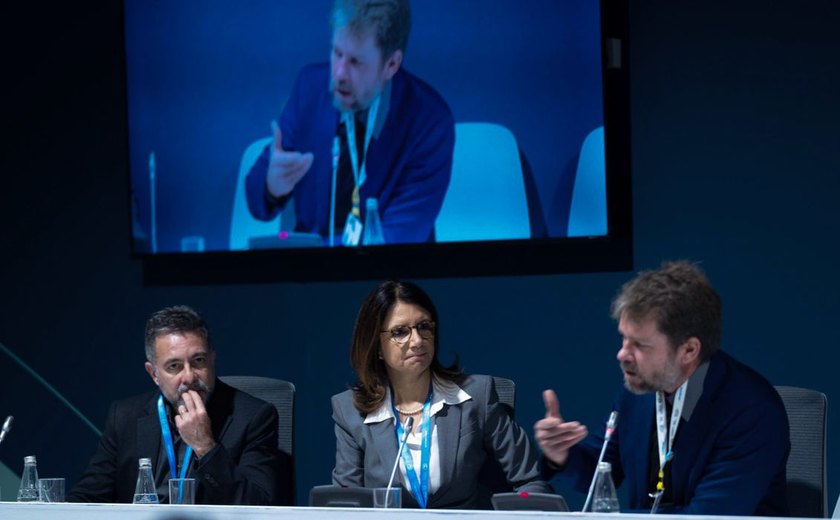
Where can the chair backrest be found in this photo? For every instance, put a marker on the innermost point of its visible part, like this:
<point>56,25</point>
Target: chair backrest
<point>243,225</point>
<point>806,471</point>
<point>486,197</point>
<point>281,394</point>
<point>506,389</point>
<point>588,211</point>
<point>492,477</point>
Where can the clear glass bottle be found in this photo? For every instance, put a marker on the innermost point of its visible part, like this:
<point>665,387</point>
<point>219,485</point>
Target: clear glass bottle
<point>28,491</point>
<point>372,233</point>
<point>145,492</point>
<point>604,498</point>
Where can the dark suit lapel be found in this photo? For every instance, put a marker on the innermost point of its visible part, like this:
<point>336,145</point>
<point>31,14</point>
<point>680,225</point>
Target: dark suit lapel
<point>448,423</point>
<point>694,434</point>
<point>639,434</point>
<point>220,410</point>
<point>384,440</point>
<point>148,431</point>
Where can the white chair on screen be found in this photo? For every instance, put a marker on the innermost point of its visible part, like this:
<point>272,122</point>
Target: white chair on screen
<point>243,226</point>
<point>486,197</point>
<point>588,212</point>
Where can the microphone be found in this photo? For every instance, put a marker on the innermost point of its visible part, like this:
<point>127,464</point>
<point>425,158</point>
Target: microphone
<point>336,152</point>
<point>409,423</point>
<point>153,204</point>
<point>611,422</point>
<point>7,426</point>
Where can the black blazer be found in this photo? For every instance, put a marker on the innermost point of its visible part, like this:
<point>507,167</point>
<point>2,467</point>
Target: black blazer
<point>244,467</point>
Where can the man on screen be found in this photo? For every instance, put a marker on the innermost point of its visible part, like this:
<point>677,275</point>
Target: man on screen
<point>402,131</point>
<point>192,426</point>
<point>726,448</point>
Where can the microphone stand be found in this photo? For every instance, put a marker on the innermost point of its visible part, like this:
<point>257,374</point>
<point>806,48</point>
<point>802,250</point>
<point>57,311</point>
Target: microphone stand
<point>336,151</point>
<point>409,423</point>
<point>610,429</point>
<point>7,426</point>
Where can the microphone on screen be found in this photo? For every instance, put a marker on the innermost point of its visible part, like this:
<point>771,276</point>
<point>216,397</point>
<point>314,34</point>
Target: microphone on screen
<point>7,427</point>
<point>336,154</point>
<point>611,423</point>
<point>409,423</point>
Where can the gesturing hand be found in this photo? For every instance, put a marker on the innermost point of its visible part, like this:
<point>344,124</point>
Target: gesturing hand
<point>193,423</point>
<point>555,436</point>
<point>285,168</point>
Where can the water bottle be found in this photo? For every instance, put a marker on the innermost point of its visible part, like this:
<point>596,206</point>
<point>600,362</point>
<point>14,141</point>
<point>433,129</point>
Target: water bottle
<point>604,498</point>
<point>28,491</point>
<point>372,234</point>
<point>145,492</point>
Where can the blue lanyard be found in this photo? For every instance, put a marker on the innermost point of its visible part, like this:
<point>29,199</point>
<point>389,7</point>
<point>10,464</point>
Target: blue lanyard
<point>170,447</point>
<point>419,488</point>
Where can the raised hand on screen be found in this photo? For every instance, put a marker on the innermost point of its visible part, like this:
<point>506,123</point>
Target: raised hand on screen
<point>554,435</point>
<point>285,168</point>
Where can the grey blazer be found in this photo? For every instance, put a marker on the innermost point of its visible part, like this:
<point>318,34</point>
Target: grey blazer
<point>469,434</point>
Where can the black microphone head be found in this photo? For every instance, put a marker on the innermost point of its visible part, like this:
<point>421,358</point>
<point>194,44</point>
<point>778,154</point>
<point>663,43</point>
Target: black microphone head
<point>409,423</point>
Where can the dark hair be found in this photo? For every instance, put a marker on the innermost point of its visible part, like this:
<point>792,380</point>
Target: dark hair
<point>372,384</point>
<point>681,300</point>
<point>179,319</point>
<point>390,21</point>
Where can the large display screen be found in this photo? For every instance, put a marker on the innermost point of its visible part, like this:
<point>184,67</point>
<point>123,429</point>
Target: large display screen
<point>501,128</point>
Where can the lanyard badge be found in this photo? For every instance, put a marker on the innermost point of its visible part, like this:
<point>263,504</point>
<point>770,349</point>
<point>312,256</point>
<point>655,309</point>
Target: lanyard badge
<point>419,485</point>
<point>353,226</point>
<point>665,435</point>
<point>170,446</point>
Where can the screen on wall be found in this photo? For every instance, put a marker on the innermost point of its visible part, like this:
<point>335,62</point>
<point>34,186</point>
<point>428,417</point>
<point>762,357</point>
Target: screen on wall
<point>494,142</point>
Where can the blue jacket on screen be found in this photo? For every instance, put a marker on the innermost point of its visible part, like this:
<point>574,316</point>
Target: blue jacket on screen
<point>408,163</point>
<point>729,458</point>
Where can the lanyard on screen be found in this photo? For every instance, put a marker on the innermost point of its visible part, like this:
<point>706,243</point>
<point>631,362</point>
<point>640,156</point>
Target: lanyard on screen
<point>665,436</point>
<point>359,170</point>
<point>419,487</point>
<point>170,446</point>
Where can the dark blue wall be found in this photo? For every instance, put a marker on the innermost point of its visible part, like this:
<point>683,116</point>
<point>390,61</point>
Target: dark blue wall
<point>736,164</point>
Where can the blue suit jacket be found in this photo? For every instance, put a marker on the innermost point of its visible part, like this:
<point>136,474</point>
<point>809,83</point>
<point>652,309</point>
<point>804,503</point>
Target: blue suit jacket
<point>729,459</point>
<point>408,163</point>
<point>469,434</point>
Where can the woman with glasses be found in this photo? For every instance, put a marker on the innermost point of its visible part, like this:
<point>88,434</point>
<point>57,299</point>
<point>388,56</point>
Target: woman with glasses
<point>458,422</point>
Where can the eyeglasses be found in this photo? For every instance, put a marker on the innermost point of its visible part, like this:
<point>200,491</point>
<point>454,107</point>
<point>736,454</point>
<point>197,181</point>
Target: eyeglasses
<point>402,333</point>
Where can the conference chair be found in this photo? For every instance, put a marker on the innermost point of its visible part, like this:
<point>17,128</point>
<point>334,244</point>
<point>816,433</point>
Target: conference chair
<point>506,389</point>
<point>806,471</point>
<point>588,210</point>
<point>491,476</point>
<point>281,394</point>
<point>486,198</point>
<point>243,226</point>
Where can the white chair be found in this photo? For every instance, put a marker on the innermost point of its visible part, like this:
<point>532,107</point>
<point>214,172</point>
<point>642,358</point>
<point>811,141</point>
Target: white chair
<point>588,212</point>
<point>243,226</point>
<point>486,195</point>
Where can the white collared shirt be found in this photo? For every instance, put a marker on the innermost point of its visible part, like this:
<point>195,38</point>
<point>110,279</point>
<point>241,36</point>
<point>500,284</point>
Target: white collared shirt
<point>443,393</point>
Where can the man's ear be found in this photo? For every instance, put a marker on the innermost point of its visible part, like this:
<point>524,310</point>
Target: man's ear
<point>392,64</point>
<point>689,351</point>
<point>150,369</point>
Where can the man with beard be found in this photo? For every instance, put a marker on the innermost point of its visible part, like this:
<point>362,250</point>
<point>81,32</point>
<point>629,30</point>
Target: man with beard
<point>192,426</point>
<point>402,134</point>
<point>698,432</point>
